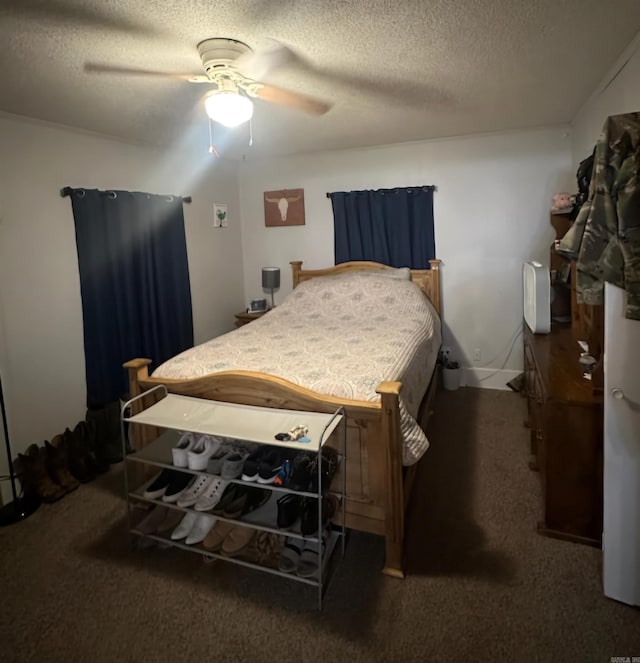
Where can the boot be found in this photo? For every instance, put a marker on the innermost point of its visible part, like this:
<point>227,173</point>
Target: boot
<point>57,464</point>
<point>89,434</point>
<point>35,478</point>
<point>108,439</point>
<point>80,464</point>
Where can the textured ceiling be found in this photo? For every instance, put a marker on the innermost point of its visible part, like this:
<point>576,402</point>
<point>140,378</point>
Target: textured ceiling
<point>408,70</point>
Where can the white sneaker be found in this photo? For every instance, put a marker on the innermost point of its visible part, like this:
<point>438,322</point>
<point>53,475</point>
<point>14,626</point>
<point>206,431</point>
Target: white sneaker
<point>212,496</point>
<point>198,457</point>
<point>187,442</point>
<point>190,495</point>
<point>185,526</point>
<point>203,525</point>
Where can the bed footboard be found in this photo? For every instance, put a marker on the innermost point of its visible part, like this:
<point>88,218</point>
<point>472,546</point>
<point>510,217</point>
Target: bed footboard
<point>375,499</point>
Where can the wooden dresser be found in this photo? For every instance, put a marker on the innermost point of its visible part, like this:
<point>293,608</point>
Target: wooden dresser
<point>566,418</point>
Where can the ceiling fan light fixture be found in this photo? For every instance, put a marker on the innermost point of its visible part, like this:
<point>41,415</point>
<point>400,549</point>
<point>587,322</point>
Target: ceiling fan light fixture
<point>228,107</point>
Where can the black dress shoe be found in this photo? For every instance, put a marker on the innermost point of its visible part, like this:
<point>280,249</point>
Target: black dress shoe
<point>300,476</point>
<point>231,493</point>
<point>178,481</point>
<point>246,499</point>
<point>288,511</point>
<point>159,485</point>
<point>329,467</point>
<point>256,497</point>
<point>309,513</point>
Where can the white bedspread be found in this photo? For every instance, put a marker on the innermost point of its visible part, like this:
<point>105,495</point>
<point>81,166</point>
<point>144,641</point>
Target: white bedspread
<point>339,335</point>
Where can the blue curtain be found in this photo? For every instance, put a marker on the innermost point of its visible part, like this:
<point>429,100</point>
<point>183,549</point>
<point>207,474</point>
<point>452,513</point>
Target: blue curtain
<point>391,226</point>
<point>134,282</point>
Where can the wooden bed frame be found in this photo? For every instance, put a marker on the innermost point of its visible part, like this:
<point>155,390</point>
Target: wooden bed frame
<point>378,487</point>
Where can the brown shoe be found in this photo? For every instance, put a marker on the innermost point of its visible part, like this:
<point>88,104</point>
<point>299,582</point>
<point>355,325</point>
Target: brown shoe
<point>35,478</point>
<point>214,539</point>
<point>237,540</point>
<point>57,464</point>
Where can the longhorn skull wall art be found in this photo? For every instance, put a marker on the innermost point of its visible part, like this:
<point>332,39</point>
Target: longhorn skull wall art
<point>284,208</point>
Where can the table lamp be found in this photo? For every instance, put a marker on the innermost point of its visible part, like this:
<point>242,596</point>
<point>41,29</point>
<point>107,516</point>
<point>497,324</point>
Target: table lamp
<point>271,280</point>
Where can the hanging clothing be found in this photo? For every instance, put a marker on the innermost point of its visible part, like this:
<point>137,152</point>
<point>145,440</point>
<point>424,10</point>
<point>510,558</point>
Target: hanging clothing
<point>390,226</point>
<point>605,237</point>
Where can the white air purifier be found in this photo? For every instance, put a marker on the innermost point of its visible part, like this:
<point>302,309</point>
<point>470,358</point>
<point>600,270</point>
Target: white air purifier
<point>536,286</point>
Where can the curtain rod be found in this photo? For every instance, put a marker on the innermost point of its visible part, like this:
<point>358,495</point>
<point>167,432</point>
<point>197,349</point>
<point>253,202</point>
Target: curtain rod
<point>425,187</point>
<point>67,191</point>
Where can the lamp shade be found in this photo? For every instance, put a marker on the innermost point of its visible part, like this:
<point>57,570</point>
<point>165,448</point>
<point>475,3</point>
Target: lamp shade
<point>229,108</point>
<point>270,277</point>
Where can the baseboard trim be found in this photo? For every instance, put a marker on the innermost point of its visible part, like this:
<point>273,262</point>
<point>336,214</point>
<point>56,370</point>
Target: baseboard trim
<point>489,378</point>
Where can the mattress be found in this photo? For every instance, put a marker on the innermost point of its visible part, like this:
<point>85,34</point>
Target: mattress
<point>337,335</point>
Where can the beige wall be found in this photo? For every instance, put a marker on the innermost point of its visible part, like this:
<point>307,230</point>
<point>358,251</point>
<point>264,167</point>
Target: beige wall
<point>491,214</point>
<point>42,354</point>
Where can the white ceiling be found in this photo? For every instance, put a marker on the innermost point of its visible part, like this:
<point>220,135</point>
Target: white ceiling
<point>410,70</point>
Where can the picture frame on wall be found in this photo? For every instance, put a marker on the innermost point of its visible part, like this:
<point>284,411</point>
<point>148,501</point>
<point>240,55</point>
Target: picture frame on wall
<point>220,215</point>
<point>284,208</point>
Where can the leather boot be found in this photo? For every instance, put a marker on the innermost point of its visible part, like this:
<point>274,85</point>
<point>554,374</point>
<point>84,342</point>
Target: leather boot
<point>80,464</point>
<point>86,433</point>
<point>108,439</point>
<point>35,479</point>
<point>57,464</point>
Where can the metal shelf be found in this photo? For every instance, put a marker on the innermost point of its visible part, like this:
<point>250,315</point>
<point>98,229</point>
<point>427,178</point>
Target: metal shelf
<point>261,518</point>
<point>244,423</point>
<point>158,453</point>
<point>241,422</point>
<point>201,550</point>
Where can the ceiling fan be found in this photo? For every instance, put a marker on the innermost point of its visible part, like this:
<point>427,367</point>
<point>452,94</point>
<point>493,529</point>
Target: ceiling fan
<point>234,68</point>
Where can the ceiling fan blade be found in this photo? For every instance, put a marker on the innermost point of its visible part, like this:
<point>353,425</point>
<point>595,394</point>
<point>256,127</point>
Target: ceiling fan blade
<point>282,97</point>
<point>399,92</point>
<point>260,63</point>
<point>71,13</point>
<point>97,68</point>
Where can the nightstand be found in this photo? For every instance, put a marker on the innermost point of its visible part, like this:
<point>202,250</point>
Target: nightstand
<point>244,318</point>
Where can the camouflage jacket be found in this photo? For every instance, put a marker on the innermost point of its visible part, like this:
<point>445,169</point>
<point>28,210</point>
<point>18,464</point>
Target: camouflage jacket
<point>605,237</point>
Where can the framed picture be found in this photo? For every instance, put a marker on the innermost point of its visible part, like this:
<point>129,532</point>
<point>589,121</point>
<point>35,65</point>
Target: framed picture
<point>284,208</point>
<point>220,218</point>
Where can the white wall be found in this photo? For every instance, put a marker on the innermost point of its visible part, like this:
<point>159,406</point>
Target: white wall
<point>42,354</point>
<point>622,95</point>
<point>491,214</point>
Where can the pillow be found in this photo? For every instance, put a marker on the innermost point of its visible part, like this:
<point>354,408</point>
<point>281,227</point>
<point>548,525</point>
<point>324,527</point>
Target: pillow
<point>395,273</point>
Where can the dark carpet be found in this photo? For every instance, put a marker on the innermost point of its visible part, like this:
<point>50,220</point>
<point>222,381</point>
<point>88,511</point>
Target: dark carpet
<point>481,584</point>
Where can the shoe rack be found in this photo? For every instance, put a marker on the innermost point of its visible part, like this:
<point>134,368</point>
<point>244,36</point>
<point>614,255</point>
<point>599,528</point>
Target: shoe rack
<point>175,415</point>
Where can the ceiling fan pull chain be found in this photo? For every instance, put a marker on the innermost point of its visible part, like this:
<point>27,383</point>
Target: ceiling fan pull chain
<point>212,149</point>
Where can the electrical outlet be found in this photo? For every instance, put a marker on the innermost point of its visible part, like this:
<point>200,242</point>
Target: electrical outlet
<point>445,353</point>
<point>477,355</point>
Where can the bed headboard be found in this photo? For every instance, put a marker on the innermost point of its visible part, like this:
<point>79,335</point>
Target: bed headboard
<point>427,279</point>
